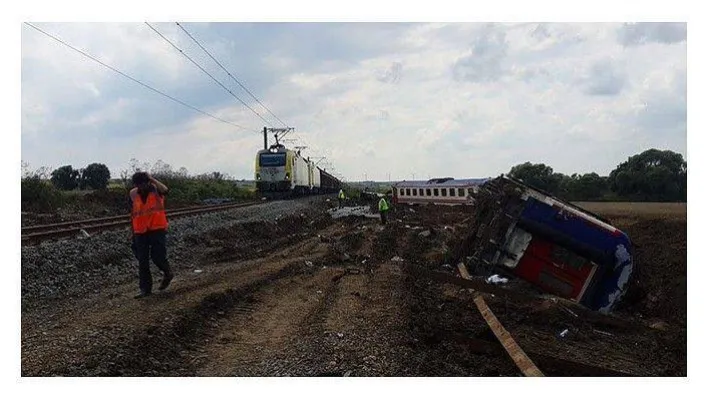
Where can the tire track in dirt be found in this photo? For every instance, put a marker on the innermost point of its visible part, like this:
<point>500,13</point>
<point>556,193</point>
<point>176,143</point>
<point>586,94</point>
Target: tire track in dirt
<point>106,336</point>
<point>255,344</point>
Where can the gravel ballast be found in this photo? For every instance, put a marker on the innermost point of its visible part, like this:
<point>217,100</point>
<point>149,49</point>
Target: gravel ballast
<point>76,267</point>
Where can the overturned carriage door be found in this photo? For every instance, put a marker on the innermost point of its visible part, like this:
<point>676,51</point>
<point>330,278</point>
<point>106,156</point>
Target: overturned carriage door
<point>555,269</point>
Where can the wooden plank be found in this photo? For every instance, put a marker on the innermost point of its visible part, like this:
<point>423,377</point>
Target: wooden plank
<point>523,362</point>
<point>463,271</point>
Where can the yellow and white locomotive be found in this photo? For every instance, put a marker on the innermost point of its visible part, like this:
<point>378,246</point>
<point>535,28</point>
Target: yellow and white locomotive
<point>281,172</point>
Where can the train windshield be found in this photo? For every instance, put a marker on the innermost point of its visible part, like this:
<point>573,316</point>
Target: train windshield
<point>272,160</point>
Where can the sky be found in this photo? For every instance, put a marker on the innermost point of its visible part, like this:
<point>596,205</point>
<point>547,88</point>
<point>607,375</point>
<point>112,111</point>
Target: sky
<point>382,101</point>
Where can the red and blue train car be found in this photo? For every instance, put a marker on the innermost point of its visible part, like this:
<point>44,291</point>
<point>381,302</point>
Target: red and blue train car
<point>555,245</point>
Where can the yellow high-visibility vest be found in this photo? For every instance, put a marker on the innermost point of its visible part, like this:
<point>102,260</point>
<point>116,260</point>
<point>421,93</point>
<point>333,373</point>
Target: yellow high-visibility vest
<point>383,205</point>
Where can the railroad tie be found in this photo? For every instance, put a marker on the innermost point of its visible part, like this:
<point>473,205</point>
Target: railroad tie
<point>522,361</point>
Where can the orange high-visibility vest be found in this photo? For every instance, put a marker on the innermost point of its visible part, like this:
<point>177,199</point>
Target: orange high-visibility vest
<point>149,215</point>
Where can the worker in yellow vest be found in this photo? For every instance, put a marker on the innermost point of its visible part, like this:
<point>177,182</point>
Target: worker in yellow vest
<point>149,223</point>
<point>383,209</point>
<point>340,197</point>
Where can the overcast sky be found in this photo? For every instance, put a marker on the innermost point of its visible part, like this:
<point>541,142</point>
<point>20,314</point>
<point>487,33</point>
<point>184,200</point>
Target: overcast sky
<point>393,99</point>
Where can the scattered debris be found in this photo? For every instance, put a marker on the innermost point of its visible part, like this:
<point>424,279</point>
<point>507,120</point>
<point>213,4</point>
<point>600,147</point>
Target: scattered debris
<point>604,333</point>
<point>340,335</point>
<point>495,279</point>
<point>659,325</point>
<point>569,311</point>
<point>198,271</point>
<point>424,234</point>
<point>309,263</point>
<point>364,211</point>
<point>85,233</point>
<point>396,259</point>
<point>348,373</point>
<point>563,333</point>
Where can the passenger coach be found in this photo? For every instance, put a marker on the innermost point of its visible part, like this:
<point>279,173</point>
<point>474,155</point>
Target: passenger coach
<point>440,191</point>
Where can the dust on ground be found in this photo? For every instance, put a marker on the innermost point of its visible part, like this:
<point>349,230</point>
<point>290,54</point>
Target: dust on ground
<point>315,296</point>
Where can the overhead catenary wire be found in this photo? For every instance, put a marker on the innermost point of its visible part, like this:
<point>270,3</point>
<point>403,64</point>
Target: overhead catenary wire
<point>207,73</point>
<point>229,73</point>
<point>136,80</point>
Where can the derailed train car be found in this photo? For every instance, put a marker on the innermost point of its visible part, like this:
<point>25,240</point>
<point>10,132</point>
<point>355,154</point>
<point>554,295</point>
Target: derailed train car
<point>281,172</point>
<point>554,245</point>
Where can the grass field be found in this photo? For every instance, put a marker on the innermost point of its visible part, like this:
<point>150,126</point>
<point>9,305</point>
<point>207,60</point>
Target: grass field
<point>648,209</point>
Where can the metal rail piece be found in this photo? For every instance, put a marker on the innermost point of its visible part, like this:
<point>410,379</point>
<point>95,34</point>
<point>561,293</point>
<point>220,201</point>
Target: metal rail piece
<point>92,225</point>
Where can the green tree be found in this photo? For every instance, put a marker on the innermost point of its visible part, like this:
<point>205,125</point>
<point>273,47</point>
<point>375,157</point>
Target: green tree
<point>65,178</point>
<point>653,175</point>
<point>537,175</point>
<point>95,176</point>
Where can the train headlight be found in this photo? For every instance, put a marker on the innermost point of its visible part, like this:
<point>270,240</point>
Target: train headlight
<point>287,176</point>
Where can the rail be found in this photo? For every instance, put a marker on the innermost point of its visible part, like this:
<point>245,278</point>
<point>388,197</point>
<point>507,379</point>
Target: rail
<point>38,233</point>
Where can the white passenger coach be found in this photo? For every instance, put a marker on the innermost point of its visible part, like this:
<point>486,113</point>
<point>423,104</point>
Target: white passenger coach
<point>439,191</point>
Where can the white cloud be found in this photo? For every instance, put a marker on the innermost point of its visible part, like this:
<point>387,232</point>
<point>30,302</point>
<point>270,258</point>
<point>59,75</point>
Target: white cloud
<point>645,32</point>
<point>427,99</point>
<point>604,78</point>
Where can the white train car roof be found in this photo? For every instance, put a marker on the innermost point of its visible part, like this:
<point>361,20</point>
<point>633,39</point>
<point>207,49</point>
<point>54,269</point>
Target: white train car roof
<point>440,182</point>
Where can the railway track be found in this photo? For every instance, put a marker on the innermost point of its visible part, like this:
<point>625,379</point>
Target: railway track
<point>38,233</point>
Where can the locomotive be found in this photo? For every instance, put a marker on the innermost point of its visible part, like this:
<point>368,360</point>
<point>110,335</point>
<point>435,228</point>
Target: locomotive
<point>283,173</point>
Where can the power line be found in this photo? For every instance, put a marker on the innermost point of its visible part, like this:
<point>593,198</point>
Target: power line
<point>207,73</point>
<point>230,75</point>
<point>133,79</point>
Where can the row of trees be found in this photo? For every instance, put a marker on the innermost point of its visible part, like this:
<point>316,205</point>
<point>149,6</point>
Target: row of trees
<point>94,176</point>
<point>45,189</point>
<point>186,188</point>
<point>653,175</point>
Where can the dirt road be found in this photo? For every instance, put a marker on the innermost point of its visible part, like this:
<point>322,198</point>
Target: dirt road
<point>308,295</point>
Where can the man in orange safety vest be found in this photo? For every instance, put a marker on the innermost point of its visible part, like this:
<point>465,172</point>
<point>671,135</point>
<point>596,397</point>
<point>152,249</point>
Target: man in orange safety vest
<point>149,224</point>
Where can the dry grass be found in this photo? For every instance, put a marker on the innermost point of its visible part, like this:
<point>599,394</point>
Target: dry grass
<point>640,209</point>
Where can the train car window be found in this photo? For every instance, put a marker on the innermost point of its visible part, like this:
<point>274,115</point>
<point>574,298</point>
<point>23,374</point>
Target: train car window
<point>555,284</point>
<point>408,191</point>
<point>460,192</point>
<point>427,192</point>
<point>272,159</point>
<point>435,192</point>
<point>415,191</point>
<point>443,192</point>
<point>400,191</point>
<point>562,256</point>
